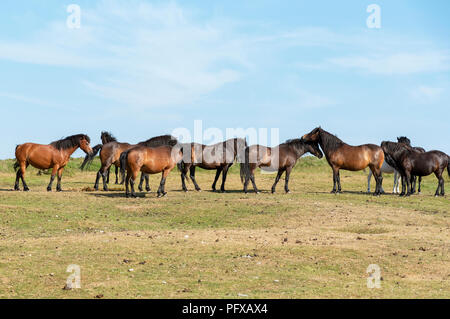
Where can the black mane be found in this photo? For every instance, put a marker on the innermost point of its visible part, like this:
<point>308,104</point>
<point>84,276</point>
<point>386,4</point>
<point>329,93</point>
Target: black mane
<point>160,140</point>
<point>329,141</point>
<point>107,137</point>
<point>393,147</point>
<point>69,142</point>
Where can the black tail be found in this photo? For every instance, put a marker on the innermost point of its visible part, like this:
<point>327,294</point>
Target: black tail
<point>123,162</point>
<point>245,166</point>
<point>90,157</point>
<point>448,165</point>
<point>16,163</point>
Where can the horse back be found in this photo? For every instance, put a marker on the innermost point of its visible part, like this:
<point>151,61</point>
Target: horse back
<point>355,158</point>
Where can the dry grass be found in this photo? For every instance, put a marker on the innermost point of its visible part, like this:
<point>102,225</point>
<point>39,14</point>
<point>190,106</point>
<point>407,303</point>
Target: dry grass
<point>307,244</point>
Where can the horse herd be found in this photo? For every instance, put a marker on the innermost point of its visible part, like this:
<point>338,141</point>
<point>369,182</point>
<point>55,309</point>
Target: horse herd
<point>162,153</point>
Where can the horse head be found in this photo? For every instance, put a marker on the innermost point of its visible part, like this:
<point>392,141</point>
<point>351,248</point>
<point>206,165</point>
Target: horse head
<point>313,136</point>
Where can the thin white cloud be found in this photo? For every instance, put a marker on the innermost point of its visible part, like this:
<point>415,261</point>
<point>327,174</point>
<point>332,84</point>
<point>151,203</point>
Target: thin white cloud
<point>154,55</point>
<point>398,63</point>
<point>425,93</point>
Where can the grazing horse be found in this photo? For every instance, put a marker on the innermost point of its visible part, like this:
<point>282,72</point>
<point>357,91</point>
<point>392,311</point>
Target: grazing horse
<point>281,158</point>
<point>407,141</point>
<point>110,154</point>
<point>149,160</point>
<point>219,156</point>
<point>352,158</point>
<point>55,155</point>
<point>410,162</point>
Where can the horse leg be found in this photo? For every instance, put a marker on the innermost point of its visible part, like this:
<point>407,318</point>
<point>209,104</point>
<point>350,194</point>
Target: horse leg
<point>132,180</point>
<point>339,182</point>
<point>252,179</point>
<point>192,176</point>
<point>408,183</point>
<point>368,181</point>
<point>97,179</point>
<point>107,178</point>
<point>286,179</point>
<point>420,183</point>
<point>183,177</point>
<point>413,184</point>
<point>52,178</point>
<point>277,179</point>
<point>440,183</point>
<point>126,185</point>
<point>162,184</point>
<point>141,181</point>
<point>219,170</point>
<point>224,177</point>
<point>23,167</point>
<point>381,184</point>
<point>147,182</point>
<point>396,184</point>
<point>16,184</point>
<point>117,173</point>
<point>58,185</point>
<point>403,180</point>
<point>378,179</point>
<point>336,180</point>
<point>104,177</point>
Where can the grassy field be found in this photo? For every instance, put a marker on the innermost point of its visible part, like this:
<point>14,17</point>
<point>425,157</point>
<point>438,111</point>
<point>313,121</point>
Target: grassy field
<point>307,244</point>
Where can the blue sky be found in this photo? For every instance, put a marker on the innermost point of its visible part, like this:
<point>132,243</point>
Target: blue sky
<point>144,68</point>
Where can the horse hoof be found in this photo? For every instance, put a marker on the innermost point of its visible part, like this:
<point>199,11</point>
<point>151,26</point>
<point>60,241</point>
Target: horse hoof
<point>198,190</point>
<point>257,192</point>
<point>140,189</point>
<point>49,189</point>
<point>288,192</point>
<point>26,189</point>
<point>148,190</point>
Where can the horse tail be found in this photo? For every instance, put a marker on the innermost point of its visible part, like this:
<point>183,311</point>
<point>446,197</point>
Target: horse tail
<point>90,157</point>
<point>123,162</point>
<point>448,165</point>
<point>16,163</point>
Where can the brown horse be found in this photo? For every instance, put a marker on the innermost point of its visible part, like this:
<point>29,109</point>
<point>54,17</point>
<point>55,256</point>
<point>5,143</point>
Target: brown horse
<point>352,158</point>
<point>410,162</point>
<point>110,155</point>
<point>55,155</point>
<point>149,160</point>
<point>282,158</point>
<point>218,156</point>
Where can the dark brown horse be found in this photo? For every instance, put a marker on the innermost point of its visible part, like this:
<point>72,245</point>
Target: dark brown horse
<point>149,160</point>
<point>352,158</point>
<point>217,157</point>
<point>281,158</point>
<point>407,141</point>
<point>110,155</point>
<point>55,155</point>
<point>410,162</point>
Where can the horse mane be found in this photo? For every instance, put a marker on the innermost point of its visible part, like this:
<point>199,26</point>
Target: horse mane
<point>160,140</point>
<point>329,141</point>
<point>69,142</point>
<point>108,137</point>
<point>407,141</point>
<point>397,147</point>
<point>404,140</point>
